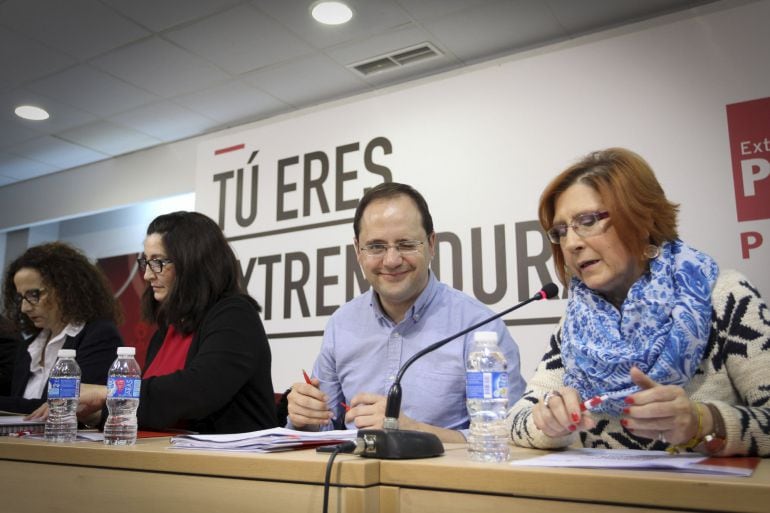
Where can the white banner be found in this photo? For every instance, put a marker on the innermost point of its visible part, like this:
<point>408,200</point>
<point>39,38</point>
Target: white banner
<point>481,145</point>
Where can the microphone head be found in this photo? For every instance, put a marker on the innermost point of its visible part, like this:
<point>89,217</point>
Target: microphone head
<point>549,290</point>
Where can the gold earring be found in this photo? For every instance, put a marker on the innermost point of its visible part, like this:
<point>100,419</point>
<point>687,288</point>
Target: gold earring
<point>651,251</point>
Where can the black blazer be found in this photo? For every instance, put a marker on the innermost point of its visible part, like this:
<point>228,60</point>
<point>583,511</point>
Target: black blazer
<point>96,347</point>
<point>225,386</point>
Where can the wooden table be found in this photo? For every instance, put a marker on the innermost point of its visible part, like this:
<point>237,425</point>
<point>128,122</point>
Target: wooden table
<point>452,483</point>
<point>89,477</point>
<point>85,477</point>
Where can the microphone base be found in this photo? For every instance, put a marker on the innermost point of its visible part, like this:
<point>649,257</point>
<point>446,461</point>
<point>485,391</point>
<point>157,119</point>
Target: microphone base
<point>394,444</point>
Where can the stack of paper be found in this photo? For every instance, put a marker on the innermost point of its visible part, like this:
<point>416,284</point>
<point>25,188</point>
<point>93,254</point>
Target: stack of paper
<point>631,459</point>
<point>266,440</point>
<point>16,425</point>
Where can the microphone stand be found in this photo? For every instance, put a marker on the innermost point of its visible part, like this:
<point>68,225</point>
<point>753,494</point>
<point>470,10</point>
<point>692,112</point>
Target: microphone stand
<point>392,443</point>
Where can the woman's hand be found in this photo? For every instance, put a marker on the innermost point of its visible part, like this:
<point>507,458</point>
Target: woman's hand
<point>92,400</point>
<point>662,412</point>
<point>41,413</point>
<point>558,413</point>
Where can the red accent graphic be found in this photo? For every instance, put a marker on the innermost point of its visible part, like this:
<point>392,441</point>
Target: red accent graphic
<point>237,147</point>
<point>748,124</point>
<point>129,285</point>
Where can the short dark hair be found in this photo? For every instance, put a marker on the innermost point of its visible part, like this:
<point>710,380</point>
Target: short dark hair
<point>630,192</point>
<point>389,190</point>
<point>80,288</point>
<point>205,266</point>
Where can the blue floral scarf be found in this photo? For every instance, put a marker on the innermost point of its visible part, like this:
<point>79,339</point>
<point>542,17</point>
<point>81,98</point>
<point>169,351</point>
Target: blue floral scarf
<point>662,327</point>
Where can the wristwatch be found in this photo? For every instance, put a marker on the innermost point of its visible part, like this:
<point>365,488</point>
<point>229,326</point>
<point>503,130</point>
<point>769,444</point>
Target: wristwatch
<point>715,441</point>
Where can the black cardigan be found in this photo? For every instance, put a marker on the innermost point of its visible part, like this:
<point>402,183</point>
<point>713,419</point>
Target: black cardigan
<point>96,347</point>
<point>225,386</point>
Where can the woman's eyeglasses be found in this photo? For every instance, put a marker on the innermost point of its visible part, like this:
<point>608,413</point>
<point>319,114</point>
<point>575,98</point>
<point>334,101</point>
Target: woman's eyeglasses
<point>156,264</point>
<point>585,225</point>
<point>32,296</point>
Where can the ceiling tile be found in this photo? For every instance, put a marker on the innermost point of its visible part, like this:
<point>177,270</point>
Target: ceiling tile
<point>92,91</point>
<point>109,138</point>
<point>425,10</point>
<point>14,130</point>
<point>232,102</point>
<point>23,59</point>
<point>159,16</point>
<point>165,120</point>
<point>507,26</point>
<point>288,82</point>
<point>588,15</point>
<point>160,67</point>
<point>239,40</point>
<point>15,168</point>
<point>57,153</point>
<point>81,28</point>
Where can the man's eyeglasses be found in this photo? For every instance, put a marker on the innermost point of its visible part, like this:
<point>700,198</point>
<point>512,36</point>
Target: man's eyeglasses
<point>156,264</point>
<point>585,225</point>
<point>32,296</point>
<point>405,247</point>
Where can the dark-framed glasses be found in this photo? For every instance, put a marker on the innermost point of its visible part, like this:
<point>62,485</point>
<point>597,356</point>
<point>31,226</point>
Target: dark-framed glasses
<point>156,264</point>
<point>32,296</point>
<point>404,247</point>
<point>585,225</point>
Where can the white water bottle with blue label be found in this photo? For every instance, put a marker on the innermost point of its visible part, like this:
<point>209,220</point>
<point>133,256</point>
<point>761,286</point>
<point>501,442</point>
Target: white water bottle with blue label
<point>63,395</point>
<point>124,382</point>
<point>487,398</point>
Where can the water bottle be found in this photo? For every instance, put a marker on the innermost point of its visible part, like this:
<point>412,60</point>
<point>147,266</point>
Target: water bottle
<point>487,398</point>
<point>63,394</point>
<point>123,383</point>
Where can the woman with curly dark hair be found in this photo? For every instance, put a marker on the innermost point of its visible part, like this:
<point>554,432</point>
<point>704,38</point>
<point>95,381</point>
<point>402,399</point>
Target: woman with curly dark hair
<point>208,365</point>
<point>58,299</point>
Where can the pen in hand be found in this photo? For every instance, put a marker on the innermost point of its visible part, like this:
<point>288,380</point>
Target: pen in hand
<point>593,402</point>
<point>307,380</point>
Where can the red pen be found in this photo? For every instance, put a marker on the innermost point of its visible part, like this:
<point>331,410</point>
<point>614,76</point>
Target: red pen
<point>347,408</point>
<point>590,404</point>
<point>307,378</point>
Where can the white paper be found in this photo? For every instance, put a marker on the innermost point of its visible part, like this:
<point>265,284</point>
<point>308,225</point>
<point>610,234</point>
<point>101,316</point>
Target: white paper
<point>630,459</point>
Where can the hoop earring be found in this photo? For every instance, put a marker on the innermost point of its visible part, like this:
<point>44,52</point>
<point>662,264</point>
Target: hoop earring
<point>651,252</point>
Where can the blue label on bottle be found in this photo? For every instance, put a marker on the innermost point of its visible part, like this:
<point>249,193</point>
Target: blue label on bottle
<point>486,385</point>
<point>124,387</point>
<point>63,388</point>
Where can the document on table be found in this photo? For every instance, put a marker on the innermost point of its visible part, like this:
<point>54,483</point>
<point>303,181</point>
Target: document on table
<point>633,459</point>
<point>16,425</point>
<point>266,440</point>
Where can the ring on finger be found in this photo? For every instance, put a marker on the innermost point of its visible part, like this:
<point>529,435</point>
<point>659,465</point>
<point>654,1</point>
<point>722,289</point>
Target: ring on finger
<point>550,395</point>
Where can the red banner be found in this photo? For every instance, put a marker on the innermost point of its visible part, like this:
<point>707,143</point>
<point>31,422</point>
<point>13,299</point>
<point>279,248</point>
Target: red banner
<point>748,124</point>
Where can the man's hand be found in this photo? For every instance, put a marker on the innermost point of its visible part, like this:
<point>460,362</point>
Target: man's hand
<point>307,405</point>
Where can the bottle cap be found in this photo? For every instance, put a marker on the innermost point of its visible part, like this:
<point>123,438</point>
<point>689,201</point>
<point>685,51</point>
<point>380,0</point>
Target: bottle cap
<point>485,336</point>
<point>66,353</point>
<point>126,351</point>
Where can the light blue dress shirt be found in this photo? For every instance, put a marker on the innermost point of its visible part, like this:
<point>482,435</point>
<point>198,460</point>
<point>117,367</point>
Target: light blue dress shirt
<point>363,349</point>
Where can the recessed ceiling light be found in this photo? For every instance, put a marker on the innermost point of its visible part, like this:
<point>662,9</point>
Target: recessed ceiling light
<point>31,112</point>
<point>331,13</point>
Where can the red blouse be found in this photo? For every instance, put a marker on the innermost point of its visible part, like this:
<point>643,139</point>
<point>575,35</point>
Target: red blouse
<point>171,355</point>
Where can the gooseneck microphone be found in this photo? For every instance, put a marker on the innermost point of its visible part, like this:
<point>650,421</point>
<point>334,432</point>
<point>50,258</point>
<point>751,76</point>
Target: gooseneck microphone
<point>392,443</point>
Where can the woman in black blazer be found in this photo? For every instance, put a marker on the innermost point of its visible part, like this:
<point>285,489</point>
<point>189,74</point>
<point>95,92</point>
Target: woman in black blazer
<point>57,299</point>
<point>208,365</point>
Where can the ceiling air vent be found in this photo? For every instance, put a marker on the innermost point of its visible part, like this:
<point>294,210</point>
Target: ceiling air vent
<point>397,59</point>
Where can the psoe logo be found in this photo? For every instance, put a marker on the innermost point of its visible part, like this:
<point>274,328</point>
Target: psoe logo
<point>748,124</point>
